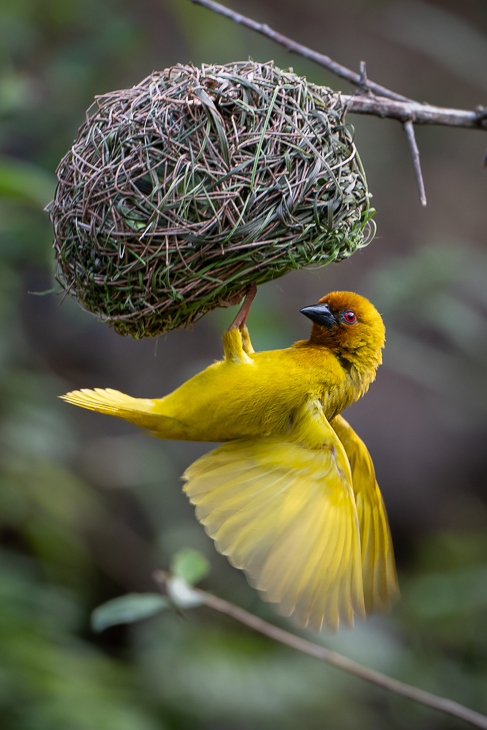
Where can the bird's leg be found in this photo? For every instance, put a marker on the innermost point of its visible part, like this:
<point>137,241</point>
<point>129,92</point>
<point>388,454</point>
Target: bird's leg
<point>239,321</point>
<point>236,340</point>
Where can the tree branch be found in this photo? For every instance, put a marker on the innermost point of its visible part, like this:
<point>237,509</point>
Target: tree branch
<point>374,98</point>
<point>331,657</point>
<point>404,108</point>
<point>415,111</point>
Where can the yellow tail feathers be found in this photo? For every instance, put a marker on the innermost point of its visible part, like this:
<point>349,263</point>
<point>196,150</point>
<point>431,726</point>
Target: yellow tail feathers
<point>107,401</point>
<point>136,410</point>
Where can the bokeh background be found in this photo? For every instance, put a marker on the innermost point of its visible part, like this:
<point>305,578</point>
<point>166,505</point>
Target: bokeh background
<point>89,506</point>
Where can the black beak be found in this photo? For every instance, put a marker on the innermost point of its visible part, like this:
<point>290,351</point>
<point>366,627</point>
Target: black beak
<point>321,314</point>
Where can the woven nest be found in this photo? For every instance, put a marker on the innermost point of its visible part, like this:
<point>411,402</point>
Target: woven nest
<point>180,192</point>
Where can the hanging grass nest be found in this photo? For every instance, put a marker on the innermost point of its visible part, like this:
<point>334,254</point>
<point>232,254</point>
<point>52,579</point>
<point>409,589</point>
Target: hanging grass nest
<point>180,192</point>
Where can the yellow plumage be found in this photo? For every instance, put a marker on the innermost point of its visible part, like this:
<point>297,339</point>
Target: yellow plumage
<point>291,498</point>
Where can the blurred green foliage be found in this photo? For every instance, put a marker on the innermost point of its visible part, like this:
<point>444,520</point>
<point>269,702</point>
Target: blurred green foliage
<point>190,565</point>
<point>86,514</point>
<point>127,609</point>
<point>436,300</point>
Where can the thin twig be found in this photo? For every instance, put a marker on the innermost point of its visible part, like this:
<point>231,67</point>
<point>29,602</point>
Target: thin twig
<point>331,657</point>
<point>409,129</point>
<point>364,82</point>
<point>320,58</point>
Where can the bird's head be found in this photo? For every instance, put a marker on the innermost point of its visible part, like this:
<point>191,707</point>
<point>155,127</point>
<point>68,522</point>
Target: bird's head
<point>350,326</point>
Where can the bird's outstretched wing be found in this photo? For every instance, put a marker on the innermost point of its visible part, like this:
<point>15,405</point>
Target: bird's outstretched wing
<point>378,566</point>
<point>284,512</point>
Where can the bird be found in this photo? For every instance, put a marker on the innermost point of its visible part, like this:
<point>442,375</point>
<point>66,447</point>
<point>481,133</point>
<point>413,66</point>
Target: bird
<point>290,496</point>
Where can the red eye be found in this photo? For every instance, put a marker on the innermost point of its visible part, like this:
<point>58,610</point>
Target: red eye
<point>350,317</point>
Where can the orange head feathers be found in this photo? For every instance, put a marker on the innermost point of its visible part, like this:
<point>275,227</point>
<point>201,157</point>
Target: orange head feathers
<point>349,325</point>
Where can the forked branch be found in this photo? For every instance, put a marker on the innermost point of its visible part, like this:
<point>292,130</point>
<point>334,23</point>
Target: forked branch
<point>372,98</point>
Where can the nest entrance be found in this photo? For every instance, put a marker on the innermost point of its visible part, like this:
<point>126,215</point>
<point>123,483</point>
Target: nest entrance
<point>180,192</point>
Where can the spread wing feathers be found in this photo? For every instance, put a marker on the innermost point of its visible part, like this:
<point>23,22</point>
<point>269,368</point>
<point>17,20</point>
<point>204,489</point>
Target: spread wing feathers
<point>379,570</point>
<point>284,512</point>
<point>115,403</point>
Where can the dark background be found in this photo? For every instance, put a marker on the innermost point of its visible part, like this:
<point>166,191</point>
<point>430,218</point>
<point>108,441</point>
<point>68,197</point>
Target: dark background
<point>89,506</point>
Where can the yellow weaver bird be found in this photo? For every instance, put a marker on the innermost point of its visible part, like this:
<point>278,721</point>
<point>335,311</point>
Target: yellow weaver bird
<point>291,497</point>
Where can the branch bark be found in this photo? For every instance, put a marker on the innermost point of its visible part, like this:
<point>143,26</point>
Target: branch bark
<point>415,112</point>
<point>331,657</point>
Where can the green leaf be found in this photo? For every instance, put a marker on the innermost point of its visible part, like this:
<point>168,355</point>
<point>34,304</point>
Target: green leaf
<point>190,565</point>
<point>126,609</point>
